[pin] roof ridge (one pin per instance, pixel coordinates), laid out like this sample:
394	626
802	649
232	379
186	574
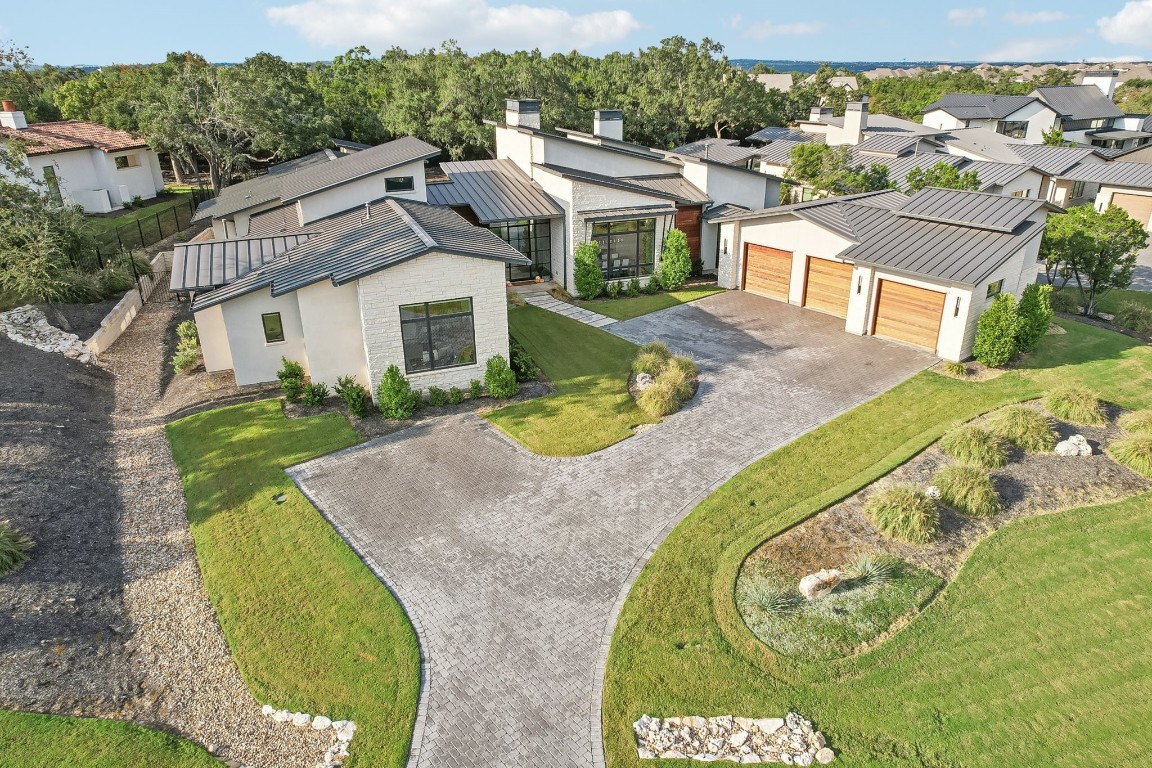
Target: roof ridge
412	224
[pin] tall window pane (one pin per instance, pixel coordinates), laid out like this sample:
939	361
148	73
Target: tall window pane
438	334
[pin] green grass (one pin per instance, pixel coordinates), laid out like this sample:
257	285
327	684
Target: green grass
626	309
104	227
310	627
49	741
1114	300
1034	656
975	445
589	368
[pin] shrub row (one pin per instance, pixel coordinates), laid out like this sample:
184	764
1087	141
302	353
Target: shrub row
1007	328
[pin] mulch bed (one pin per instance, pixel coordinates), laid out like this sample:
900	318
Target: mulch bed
80	319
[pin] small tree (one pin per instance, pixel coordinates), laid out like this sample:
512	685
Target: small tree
499	378
942	175
394	395
1035	315
997	332
1095	250
587	274
675	260
291	376
1054	136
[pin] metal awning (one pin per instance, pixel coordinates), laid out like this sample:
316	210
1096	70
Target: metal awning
626	214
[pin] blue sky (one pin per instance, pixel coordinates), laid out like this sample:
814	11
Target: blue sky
127	31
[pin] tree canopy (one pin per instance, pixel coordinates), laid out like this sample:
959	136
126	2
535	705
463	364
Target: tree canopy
831	170
1096	251
942	174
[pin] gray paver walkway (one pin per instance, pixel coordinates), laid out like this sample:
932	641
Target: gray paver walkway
513	566
586	316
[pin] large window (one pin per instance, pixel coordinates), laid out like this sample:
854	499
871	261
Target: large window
273	327
627	248
1016	129
399	184
533	238
437	334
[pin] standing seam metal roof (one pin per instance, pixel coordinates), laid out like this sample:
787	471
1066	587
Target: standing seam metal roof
972	209
1079	102
214	263
665	186
1051	160
1116	173
496	190
976	106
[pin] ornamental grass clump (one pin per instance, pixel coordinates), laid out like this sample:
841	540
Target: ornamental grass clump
904	513
1136	421
873	568
1135	317
1077	405
768	597
650	363
1134	452
678	379
1024	427
660	399
14	548
684	364
976	446
968	490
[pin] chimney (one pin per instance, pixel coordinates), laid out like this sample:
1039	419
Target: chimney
524	113
855	121
1104	79
10	117
608	124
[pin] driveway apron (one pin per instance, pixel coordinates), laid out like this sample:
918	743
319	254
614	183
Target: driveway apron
513	567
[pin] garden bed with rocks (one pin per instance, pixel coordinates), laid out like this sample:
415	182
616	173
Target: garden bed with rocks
1028	484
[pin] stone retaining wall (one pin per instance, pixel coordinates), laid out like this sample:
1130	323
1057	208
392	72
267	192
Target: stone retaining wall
122	315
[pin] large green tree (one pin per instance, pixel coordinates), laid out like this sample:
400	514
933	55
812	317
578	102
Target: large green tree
941	174
832	171
1096	251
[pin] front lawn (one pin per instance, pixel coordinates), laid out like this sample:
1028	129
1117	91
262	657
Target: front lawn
589	368
311	628
1034	656
104	227
626	309
48	741
1114	300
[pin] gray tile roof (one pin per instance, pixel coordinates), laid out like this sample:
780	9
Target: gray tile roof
726	151
667	186
396	231
214	263
1115	173
495	190
1078	102
980	106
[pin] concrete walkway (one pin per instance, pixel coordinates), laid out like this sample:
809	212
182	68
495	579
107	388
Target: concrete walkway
513	567
546	301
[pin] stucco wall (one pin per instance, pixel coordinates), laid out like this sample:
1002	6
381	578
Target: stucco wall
213	339
434	277
1104	197
802	238
254	360
938	118
1030	183
330	318
596	159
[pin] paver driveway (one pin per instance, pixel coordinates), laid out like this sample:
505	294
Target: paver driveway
513	567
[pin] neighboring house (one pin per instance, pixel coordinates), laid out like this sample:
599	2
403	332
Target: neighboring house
86	164
623	196
775	82
918	269
395	281
1127	133
1126	185
1085	110
857	124
1018	117
847	82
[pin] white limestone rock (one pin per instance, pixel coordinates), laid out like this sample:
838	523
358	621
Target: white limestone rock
301	719
1077	445
321	723
825	756
816	585
643	381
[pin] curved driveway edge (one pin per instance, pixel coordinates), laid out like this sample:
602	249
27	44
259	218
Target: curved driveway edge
513	567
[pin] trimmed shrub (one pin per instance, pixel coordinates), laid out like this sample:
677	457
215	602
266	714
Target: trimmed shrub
315	393
649	362
1026	428
678	379
612	291
974	445
14	548
188	330
968	490
660	399
1134	452
586	273
633	288
499	379
997	332
768	597
1035	315
956	369
904	513
652	287
354	394
1064	300
455	395
873	568
1134	317
475	389
684	364
675	260
1076	404
437	396
522	363
291	376
187	355
1136	421
395	397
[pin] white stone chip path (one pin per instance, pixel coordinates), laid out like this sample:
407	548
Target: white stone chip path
586	316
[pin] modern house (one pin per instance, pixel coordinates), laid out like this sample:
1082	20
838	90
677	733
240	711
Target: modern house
1018	117
1126	185
1086	111
917	270
86	164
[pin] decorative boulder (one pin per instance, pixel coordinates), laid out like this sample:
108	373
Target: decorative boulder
825	756
933	492
644	380
1076	445
818	584
320	722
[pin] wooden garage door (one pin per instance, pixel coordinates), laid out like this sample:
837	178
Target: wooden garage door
1139	207
908	314
767	271
827	286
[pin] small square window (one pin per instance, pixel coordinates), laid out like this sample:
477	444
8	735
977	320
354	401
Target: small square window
399	184
995	288
127	161
273	327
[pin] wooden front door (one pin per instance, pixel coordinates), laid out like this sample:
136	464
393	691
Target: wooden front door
767	271
908	314
827	286
688	222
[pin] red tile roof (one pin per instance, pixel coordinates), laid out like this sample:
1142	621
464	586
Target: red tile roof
46	138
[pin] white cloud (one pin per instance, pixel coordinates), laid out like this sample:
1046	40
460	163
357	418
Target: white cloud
1034	17
761	30
1132	25
1032	49
963	16
736	21
474	24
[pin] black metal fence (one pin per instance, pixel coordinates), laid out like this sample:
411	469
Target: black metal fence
145	230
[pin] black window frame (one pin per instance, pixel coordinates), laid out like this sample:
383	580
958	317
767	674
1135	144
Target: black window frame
391	184
539	239
645	264
1077	190
264	325
427	321
1014	129
995	288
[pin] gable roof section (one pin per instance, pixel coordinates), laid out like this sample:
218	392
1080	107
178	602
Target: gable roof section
980	106
776	133
495	190
726	151
665	186
68	135
1051	160
1078	102
779	82
397	231
898	167
1115	173
885	198
213	263
993	174
979	210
